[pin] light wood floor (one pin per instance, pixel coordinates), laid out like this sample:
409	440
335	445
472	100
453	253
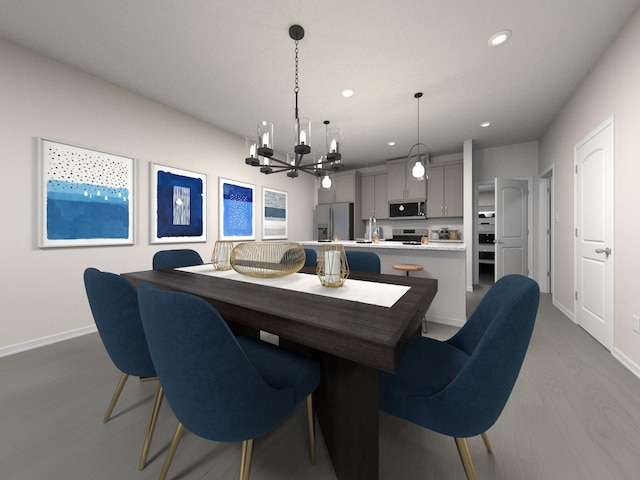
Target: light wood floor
574	414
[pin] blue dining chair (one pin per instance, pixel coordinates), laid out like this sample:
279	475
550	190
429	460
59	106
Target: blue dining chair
114	305
176	258
220	387
363	261
311	259
459	387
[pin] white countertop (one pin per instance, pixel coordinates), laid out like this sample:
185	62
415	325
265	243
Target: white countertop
450	246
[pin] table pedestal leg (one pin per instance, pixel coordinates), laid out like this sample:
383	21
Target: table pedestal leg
346	406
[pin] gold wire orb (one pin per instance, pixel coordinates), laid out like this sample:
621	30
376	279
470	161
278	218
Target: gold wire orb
267	259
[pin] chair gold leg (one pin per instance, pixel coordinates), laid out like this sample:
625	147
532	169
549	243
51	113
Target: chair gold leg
465	456
172	451
487	444
157	403
245	459
116	395
312	430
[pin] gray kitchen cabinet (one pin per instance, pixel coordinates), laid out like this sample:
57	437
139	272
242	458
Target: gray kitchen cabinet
345	187
445	196
402	185
374	196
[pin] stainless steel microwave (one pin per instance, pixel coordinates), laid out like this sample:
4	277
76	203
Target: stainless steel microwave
407	210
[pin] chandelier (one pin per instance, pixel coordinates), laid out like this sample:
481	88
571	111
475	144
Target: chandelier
418	170
260	146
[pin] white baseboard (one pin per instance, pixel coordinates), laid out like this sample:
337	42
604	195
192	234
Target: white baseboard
454	322
632	366
41	342
560	307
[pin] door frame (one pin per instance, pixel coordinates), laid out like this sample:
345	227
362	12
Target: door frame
476	200
546	207
530	200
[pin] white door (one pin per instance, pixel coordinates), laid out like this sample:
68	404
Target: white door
512	227
594	233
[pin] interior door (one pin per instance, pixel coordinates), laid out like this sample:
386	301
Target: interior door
512	227
594	234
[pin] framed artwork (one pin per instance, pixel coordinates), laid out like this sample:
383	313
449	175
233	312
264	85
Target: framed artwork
85	196
237	210
274	214
178	205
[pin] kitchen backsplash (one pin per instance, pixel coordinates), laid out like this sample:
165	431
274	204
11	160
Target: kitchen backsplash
389	225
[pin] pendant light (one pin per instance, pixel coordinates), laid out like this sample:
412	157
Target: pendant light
418	170
260	146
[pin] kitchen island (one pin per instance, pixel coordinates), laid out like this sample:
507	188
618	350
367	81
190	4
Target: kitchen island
444	261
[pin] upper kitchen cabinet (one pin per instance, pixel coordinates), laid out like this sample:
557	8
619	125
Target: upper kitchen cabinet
402	185
445	191
345	187
374	196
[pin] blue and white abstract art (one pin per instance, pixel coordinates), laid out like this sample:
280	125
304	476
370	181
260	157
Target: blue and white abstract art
178	205
86	197
237	210
274	218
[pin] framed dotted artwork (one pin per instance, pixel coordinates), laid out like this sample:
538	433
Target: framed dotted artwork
86	197
237	214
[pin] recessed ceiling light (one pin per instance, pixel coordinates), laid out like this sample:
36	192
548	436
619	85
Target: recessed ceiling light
347	92
391	144
499	38
485	124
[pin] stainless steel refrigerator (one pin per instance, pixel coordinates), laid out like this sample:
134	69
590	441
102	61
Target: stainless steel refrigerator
335	219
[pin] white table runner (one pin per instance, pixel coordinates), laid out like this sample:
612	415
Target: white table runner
380	294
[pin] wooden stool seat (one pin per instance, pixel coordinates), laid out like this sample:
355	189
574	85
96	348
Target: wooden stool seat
407	267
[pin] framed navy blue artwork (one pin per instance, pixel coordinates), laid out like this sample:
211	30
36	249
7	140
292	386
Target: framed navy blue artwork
85	196
237	210
178	205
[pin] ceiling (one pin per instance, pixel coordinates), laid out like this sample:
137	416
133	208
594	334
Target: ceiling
231	63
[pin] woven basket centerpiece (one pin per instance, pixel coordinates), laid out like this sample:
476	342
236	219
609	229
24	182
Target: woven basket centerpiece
267	259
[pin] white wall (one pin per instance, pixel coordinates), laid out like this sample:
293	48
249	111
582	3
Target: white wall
611	88
509	161
42	294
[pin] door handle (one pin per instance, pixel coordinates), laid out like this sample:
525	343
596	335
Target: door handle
498	241
606	251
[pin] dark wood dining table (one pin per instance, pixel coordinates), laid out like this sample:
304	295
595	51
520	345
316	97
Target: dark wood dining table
352	341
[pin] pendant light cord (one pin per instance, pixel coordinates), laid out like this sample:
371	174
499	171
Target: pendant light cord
296	89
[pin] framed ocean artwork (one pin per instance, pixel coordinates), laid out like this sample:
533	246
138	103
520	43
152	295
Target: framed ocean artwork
274	214
237	215
86	197
178	205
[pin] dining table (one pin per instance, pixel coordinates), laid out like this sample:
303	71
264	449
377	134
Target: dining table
353	337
